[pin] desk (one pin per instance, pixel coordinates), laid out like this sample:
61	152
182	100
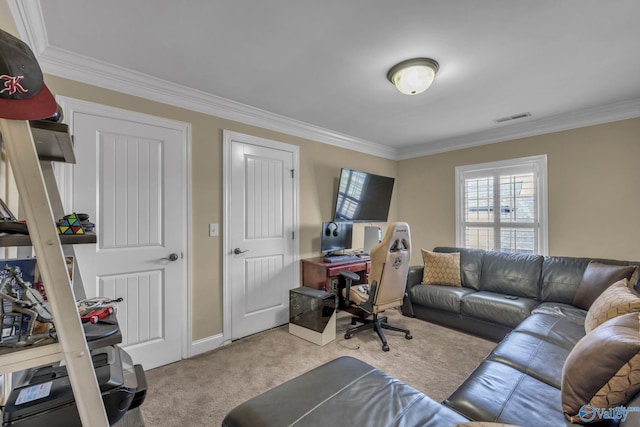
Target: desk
322	275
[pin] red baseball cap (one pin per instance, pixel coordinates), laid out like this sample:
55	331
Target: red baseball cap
23	94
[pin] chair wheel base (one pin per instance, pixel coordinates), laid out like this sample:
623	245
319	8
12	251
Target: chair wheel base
378	324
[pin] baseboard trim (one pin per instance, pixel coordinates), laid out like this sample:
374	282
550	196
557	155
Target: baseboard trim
206	344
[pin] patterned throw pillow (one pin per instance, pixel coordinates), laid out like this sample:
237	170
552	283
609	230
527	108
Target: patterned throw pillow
603	369
616	300
441	268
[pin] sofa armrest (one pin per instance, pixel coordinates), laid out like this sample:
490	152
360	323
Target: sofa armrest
414	277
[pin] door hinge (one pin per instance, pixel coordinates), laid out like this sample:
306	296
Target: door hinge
292	173
293	235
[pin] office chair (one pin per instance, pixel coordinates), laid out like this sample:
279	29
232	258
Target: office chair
388	277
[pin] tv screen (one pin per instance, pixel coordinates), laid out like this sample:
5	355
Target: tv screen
363	196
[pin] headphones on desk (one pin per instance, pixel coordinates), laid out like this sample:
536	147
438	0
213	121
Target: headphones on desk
329	232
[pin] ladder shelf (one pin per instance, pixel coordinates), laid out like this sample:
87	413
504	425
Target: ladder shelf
72	345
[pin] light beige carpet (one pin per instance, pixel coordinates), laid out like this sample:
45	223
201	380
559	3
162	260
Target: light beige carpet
200	391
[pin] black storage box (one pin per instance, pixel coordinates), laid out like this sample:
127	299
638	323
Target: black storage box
312	315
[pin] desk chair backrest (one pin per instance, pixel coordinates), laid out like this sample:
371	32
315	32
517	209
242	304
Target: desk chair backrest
390	266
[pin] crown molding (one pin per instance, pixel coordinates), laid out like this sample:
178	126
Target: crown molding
62	63
27	15
577	119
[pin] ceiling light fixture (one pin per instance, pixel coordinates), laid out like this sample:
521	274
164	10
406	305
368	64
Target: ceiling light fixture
413	76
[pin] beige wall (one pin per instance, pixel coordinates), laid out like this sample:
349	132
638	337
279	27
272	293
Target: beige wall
593	179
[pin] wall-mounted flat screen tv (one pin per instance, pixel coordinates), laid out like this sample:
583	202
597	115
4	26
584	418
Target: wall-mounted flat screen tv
363	196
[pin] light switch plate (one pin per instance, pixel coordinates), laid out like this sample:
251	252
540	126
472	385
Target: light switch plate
213	230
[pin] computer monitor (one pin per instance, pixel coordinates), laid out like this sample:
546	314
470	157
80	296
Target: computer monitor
336	236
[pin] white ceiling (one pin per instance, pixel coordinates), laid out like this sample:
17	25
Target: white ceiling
318	67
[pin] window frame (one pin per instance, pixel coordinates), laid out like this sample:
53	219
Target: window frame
536	163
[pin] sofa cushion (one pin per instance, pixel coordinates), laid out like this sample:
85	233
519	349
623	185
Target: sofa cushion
425	412
445	298
505	310
441	268
603	369
532	355
559	330
568	312
561	277
598	277
616	300
501	393
470	264
511	274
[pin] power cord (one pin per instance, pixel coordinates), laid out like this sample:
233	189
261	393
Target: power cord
340	343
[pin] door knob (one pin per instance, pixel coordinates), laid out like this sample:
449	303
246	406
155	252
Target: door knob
237	251
172	257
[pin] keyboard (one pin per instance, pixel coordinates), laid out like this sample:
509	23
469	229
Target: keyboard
340	258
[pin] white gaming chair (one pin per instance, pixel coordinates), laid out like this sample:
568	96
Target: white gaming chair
389	268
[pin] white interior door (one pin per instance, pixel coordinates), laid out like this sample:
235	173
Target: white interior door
261	243
130	178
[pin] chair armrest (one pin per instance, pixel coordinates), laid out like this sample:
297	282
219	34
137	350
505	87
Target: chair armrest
349	277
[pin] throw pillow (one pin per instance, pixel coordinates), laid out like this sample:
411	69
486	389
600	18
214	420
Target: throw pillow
616	300
603	369
441	268
598	277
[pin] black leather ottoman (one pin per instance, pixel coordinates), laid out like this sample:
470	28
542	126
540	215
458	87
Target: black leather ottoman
343	392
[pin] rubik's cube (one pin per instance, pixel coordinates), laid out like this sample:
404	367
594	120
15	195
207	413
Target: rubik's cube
70	224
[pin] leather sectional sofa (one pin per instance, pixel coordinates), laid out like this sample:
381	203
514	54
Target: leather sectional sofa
545	369
498	290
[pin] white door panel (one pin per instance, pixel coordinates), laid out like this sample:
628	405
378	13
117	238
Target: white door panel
262	225
140	313
130	210
130	179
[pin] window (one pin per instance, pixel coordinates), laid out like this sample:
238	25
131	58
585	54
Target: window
502	206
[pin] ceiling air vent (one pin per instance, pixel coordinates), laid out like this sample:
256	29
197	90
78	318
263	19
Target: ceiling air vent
514	117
